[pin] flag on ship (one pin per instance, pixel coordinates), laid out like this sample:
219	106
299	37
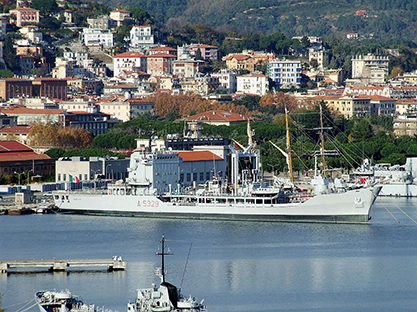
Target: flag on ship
74	179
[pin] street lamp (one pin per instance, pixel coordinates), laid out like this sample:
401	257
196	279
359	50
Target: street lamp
273	168
107	172
95	177
19	174
31	170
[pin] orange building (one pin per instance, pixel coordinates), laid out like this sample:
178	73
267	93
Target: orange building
15	87
50	87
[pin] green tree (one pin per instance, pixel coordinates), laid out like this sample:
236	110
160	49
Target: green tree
44	5
412	149
141	16
198	56
362	130
55	152
6	73
9	51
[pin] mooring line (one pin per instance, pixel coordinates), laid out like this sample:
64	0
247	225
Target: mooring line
388	211
403	211
26	302
28	308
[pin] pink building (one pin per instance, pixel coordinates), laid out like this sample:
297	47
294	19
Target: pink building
160	64
25	16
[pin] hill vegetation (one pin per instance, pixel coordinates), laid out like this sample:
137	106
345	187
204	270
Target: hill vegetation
386	19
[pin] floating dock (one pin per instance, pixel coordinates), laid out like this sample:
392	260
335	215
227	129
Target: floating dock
114	264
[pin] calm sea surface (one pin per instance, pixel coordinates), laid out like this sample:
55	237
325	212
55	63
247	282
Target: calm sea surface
234	266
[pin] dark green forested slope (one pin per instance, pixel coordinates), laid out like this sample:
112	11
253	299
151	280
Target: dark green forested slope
388	19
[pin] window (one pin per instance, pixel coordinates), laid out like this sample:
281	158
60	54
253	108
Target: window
201	176
188	176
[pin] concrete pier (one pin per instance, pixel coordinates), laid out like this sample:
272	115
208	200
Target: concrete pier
116	263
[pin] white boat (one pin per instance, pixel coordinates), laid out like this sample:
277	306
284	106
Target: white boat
242	197
63	301
396	180
166	297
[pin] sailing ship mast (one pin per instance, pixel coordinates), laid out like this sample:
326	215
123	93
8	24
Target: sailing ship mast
323	158
289	147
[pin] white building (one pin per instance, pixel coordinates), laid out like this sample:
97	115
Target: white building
186	68
129	61
77	57
32	33
286	73
125	109
97	37
370	68
141	36
253	83
320	56
227	80
81	169
118	16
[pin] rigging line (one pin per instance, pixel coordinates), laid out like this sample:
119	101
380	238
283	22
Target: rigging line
12	305
28	308
346	154
389	211
343	153
186	263
402	211
23	308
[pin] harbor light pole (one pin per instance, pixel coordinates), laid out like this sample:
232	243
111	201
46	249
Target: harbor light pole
273	168
19	174
95	177
107	171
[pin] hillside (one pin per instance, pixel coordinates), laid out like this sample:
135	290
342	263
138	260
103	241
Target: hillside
386	19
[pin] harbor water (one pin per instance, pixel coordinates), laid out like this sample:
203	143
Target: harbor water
234	266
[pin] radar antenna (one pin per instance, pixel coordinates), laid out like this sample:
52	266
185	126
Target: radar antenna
163	254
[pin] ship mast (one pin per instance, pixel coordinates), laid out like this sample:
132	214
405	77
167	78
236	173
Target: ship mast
323	158
289	147
162	254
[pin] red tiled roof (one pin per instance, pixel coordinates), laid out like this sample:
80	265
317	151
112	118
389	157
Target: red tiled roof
24	9
198	156
129	54
119	10
13	147
161	55
205	46
29	111
120	86
253	75
15	129
163	49
379	98
23	157
239	57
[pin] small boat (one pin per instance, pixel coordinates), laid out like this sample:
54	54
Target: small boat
62	301
166	297
20	211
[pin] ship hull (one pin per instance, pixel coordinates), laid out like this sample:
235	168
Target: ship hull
348	207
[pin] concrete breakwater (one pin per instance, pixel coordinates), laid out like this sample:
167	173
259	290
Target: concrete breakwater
113	264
